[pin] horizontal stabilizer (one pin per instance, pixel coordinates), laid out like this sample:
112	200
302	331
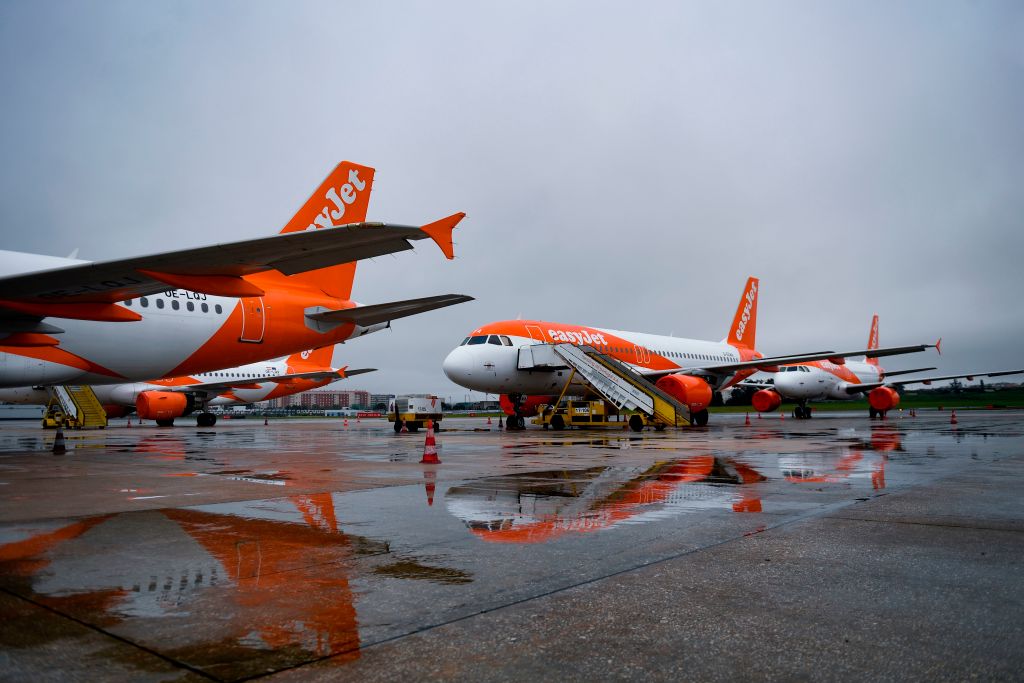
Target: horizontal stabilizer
365	316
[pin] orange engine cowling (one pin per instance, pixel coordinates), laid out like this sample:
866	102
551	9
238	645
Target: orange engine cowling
687	389
883	398
161	405
766	400
115	410
527	408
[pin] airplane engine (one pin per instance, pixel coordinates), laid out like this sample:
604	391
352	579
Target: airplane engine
883	399
766	400
114	410
528	408
691	391
161	405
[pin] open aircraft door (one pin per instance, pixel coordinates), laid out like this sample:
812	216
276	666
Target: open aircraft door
254	320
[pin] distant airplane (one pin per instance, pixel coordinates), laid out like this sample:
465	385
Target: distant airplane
850	379
163	400
687	369
193	311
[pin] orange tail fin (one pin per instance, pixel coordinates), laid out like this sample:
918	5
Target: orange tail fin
343	197
313	359
873	338
744	324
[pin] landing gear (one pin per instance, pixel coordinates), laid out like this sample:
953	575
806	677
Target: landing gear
169	422
515	421
872	413
802	412
636	423
700	418
557	423
206	420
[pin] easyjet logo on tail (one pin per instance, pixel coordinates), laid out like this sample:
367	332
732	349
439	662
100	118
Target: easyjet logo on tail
339	198
749	300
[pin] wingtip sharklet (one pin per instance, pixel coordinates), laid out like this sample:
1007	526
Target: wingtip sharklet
441	232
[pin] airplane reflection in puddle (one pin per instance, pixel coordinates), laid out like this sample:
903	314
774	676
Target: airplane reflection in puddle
265	582
541	506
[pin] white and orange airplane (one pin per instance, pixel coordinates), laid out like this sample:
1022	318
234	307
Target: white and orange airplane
163	400
194	311
688	369
840	379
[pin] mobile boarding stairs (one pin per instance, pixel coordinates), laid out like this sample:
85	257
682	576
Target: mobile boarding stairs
613	380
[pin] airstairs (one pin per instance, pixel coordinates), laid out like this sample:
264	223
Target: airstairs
615	381
74	406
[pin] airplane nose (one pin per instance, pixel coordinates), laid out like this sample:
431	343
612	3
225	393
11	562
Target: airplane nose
456	366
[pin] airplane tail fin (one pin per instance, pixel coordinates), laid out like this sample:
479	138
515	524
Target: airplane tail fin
744	324
313	359
873	338
343	197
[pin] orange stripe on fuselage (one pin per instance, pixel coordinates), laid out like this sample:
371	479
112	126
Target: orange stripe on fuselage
52	354
284	314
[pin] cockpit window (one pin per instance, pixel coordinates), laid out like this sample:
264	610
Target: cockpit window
493	339
804	368
506	341
464	341
479	339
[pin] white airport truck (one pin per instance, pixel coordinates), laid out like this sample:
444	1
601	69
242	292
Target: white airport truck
414	410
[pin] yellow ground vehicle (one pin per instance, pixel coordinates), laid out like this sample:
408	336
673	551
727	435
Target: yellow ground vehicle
590	413
414	410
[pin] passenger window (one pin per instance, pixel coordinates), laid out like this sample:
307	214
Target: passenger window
493	339
479	339
206	309
145	302
506	341
128	303
159	303
190	306
174	304
217	308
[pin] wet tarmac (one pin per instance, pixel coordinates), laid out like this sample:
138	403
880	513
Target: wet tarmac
833	548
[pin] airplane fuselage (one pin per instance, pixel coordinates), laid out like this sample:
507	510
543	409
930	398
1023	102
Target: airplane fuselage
180	333
488	360
824	380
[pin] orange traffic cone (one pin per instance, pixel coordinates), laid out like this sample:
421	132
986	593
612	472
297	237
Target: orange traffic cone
759	416
345	423
952	418
430	447
747	421
488	419
429	477
404	430
782	414
58	442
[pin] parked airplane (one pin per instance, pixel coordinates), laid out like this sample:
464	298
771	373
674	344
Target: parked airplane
488	359
164	400
845	380
193	311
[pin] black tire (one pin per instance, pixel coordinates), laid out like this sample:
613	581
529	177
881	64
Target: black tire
872	413
165	423
701	418
558	423
636	423
398	426
206	420
520	422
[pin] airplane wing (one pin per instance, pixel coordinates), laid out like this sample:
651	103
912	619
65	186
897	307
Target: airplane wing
771	363
382	313
90	290
229	385
861	388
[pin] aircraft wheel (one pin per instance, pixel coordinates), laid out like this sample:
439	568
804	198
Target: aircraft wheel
807	412
700	418
558	423
872	413
206	420
165	423
636	423
520	422
398	426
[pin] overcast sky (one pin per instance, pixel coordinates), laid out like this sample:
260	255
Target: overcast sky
622	165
